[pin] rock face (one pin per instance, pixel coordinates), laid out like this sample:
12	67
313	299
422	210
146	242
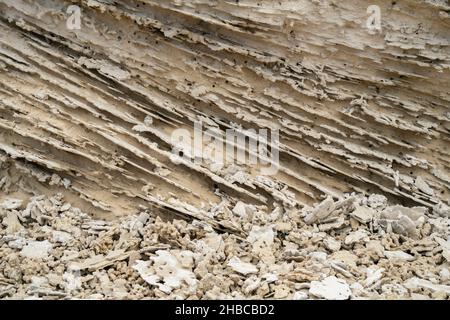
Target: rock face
93	93
89	112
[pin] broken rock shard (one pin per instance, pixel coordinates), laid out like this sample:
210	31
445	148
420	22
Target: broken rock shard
224	149
330	288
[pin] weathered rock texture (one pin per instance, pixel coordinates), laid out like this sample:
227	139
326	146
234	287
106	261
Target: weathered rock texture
360	249
357	110
86	118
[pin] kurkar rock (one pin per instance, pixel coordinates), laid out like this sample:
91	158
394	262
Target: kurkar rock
113	116
89	111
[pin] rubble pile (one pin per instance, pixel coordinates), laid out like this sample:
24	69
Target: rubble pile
356	247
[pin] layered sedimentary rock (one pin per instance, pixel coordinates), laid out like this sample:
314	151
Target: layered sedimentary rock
89	112
94	197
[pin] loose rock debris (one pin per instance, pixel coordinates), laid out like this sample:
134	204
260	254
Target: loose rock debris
52	250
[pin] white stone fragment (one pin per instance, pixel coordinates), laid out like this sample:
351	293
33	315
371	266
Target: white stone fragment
442	210
394	289
363	214
321	211
403	220
444	274
11	204
167	273
373	275
72	280
416	283
239	209
357	289
445	246
61	237
330	288
356	237
17	244
242	267
12	223
318	255
261	234
36	249
398	255
269	277
171	271
300	295
377	201
332	244
251	284
262	239
66	206
143	268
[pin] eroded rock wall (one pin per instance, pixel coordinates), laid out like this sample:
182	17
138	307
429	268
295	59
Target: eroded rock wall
90	112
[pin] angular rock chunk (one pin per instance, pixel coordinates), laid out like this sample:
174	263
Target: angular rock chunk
242	267
323	210
36	249
330	288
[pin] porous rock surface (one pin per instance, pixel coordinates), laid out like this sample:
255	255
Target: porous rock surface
93	205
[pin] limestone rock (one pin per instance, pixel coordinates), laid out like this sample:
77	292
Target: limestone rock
398	256
356	237
242	267
36	249
330	288
442	210
416	283
332	244
11	204
323	210
363	214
